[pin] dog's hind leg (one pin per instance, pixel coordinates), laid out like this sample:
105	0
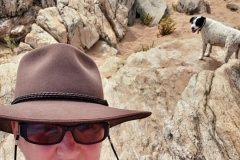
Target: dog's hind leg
229	50
227	56
203	51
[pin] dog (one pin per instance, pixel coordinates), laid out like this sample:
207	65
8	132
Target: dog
215	33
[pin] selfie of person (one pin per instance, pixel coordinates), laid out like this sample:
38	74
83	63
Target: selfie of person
59	111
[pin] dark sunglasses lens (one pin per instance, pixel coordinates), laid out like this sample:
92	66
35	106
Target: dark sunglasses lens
43	133
89	133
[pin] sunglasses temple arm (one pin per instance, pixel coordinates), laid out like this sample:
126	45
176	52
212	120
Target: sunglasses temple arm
16	143
109	138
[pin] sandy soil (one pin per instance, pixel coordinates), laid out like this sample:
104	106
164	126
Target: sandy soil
139	35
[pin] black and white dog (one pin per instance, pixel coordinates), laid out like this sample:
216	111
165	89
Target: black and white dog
216	34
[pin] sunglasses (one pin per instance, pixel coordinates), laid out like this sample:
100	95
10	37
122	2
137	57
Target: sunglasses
49	134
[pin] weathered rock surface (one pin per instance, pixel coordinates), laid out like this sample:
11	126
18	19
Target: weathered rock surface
232	6
197	122
206	116
79	23
154	8
50	20
39	37
191	7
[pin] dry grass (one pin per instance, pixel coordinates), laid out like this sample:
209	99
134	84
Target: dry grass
166	26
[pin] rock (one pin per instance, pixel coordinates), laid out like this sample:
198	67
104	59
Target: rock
4	50
72	22
39	37
116	14
13	8
111	66
143	84
232	6
17	27
206	116
190	118
84	22
48	3
7	147
191	7
23	48
18	30
154	9
50	20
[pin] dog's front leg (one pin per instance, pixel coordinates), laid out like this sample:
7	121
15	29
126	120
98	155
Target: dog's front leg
209	51
203	51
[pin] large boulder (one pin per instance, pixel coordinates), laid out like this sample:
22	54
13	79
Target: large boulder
205	121
50	20
191	7
39	37
196	119
154	9
17	27
80	23
14	8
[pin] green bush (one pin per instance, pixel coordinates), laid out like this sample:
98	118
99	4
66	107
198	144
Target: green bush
166	26
10	42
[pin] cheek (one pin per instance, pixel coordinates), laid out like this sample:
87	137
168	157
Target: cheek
92	151
36	152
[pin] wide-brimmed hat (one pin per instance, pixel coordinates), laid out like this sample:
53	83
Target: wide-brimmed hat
58	83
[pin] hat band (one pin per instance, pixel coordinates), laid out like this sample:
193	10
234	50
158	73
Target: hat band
60	96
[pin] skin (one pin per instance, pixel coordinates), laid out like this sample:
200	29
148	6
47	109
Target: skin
67	149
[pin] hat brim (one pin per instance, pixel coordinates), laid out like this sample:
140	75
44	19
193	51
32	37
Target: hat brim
55	111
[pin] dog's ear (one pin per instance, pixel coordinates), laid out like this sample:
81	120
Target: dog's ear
192	19
203	18
201	21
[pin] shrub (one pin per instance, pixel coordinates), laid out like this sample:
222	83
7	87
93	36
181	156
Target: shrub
146	48
166	26
146	19
174	7
10	42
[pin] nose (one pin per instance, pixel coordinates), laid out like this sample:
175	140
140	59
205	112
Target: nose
68	146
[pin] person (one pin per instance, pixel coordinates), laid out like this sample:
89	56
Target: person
59	111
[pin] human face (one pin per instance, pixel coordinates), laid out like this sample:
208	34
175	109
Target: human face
67	149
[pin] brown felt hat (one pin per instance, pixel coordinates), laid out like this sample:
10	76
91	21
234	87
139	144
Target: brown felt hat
58	83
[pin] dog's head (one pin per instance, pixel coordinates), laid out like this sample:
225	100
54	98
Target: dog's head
197	23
